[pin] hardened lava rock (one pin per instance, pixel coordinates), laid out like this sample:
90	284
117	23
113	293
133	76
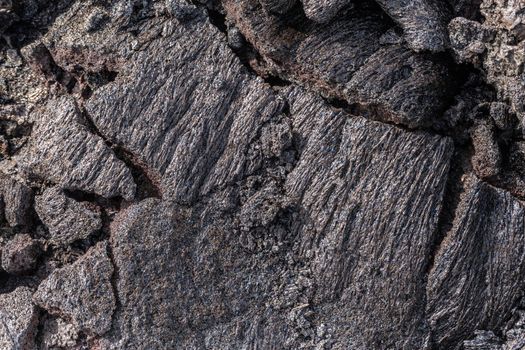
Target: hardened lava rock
262	174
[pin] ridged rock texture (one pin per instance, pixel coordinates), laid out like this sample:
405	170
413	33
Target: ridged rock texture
262	174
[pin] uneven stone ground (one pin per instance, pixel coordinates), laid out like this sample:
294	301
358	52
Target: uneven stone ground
262	174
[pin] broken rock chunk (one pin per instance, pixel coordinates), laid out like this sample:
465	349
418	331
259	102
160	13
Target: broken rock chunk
58	333
19	319
371	195
323	10
81	292
20	255
486	160
17	198
65	152
479	271
424	22
66	219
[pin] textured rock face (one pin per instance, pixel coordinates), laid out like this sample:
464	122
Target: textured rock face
344	163
19	320
20	255
16	200
66	219
261	174
496	46
491	223
66	153
81	292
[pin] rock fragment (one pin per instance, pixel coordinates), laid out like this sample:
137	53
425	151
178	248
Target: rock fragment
358	183
65	152
66	219
343	59
17	199
57	333
496	47
423	22
191	133
19	319
487	158
323	10
478	274
20	255
81	292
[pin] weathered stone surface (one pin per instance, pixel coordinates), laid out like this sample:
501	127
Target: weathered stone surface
57	333
277	6
323	10
81	292
496	47
16	198
66	219
401	87
65	152
359	224
344	60
478	273
221	174
18	320
423	22
207	124
20	255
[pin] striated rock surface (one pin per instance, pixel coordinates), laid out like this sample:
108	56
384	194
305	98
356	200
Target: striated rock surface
478	292
345	60
261	174
15	200
345	162
66	153
19	320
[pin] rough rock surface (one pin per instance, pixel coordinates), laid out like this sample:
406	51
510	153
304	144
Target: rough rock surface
66	153
491	223
66	219
19	320
81	292
20	255
262	174
15	201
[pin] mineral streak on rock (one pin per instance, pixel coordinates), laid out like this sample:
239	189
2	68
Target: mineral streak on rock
66	219
18	320
81	292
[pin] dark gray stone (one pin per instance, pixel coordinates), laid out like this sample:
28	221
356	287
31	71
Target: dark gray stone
20	255
66	219
65	152
82	292
478	272
19	320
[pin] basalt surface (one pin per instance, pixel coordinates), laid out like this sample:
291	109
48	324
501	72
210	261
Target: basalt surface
262	174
